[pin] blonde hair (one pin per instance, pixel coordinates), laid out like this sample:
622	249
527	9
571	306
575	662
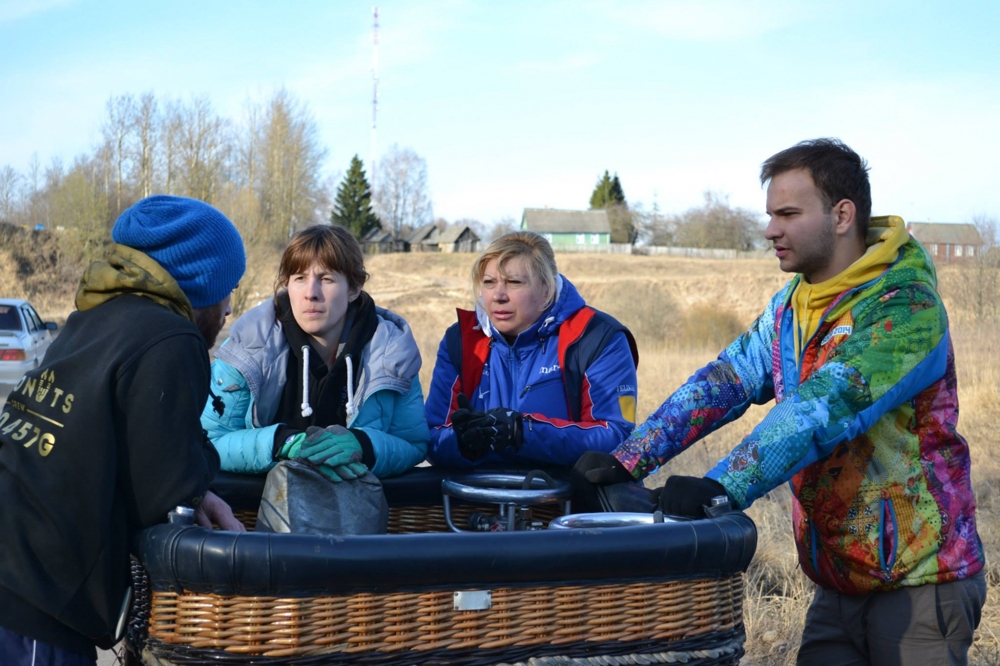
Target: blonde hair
539	260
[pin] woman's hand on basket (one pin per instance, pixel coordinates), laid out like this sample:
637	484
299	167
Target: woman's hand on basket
496	430
472	447
478	432
213	509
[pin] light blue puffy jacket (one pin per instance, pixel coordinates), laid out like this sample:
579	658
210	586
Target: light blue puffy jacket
248	376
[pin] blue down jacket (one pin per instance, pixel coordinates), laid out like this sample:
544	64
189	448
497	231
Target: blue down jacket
248	375
525	376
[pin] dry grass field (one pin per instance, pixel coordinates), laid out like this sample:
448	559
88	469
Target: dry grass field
683	311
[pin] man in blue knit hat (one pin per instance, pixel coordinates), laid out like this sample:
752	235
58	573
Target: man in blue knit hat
105	438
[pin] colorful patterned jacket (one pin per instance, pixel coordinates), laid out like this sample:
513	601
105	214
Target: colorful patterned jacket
864	428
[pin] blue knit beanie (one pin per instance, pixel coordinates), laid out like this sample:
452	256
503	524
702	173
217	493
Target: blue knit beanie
194	242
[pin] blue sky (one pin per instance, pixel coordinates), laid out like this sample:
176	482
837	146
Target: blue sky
524	104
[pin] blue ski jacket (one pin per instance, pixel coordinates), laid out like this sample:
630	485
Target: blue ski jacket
525	375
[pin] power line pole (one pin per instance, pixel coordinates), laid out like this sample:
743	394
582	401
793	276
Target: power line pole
374	146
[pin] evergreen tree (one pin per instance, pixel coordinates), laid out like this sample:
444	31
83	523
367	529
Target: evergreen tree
609	195
602	192
353	207
616	192
607	192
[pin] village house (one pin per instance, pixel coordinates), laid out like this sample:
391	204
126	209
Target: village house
380	241
424	239
569	229
458	238
948	243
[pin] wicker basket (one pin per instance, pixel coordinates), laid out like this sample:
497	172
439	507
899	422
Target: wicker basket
586	597
681	617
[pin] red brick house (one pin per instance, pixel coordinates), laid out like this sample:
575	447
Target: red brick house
948	243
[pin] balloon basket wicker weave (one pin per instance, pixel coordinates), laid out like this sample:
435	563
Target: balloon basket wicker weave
669	593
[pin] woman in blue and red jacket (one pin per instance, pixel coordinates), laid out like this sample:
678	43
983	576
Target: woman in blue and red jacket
532	375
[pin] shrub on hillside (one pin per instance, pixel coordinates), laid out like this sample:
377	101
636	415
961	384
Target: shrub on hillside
33	266
645	306
706	326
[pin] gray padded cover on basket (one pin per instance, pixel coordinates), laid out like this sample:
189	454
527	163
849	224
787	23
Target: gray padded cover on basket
297	498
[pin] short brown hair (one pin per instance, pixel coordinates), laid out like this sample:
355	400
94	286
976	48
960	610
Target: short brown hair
837	171
331	246
541	261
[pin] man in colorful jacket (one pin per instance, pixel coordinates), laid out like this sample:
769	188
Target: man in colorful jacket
856	353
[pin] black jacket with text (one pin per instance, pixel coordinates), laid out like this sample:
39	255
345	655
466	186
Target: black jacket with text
102	440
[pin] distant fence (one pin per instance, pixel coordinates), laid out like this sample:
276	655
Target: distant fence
610	248
704	252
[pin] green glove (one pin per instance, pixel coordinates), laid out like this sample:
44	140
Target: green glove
348	472
333	447
334	451
290	449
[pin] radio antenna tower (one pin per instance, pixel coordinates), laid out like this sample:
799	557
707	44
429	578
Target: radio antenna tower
374	146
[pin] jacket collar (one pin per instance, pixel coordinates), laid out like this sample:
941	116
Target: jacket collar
129	271
567	301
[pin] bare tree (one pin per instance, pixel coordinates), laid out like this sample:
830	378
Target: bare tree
79	204
717	225
201	150
402	200
981	292
9	178
624	228
31	196
145	127
654	228
290	191
504	225
34	171
117	130
248	151
243	203
170	140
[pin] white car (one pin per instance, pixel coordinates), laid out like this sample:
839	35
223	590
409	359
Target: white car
24	339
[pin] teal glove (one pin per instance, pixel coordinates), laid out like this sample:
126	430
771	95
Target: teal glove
348	472
333	446
335	452
290	449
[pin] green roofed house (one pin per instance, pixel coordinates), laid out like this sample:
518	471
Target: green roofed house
948	243
569	229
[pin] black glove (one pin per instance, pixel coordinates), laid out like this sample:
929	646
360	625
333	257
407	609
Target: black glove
460	417
592	470
471	445
497	429
687	496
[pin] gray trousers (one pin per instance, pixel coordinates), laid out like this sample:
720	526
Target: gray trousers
930	624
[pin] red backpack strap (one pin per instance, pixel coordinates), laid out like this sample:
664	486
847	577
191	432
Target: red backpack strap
473	350
582	338
570	331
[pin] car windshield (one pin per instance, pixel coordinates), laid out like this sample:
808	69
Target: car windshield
9	321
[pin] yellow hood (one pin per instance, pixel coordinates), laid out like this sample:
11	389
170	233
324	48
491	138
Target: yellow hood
886	235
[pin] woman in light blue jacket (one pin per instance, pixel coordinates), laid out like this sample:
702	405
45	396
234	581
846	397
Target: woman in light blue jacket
320	357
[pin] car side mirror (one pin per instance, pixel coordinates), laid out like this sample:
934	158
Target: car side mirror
51	326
